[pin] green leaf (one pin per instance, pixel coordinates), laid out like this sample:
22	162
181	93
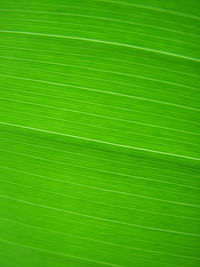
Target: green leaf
99	133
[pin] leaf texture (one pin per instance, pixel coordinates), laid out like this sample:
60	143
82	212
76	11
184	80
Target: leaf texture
99	119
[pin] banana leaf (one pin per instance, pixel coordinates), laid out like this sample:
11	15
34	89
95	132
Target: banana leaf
99	133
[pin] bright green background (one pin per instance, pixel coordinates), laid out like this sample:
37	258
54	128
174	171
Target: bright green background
99	133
